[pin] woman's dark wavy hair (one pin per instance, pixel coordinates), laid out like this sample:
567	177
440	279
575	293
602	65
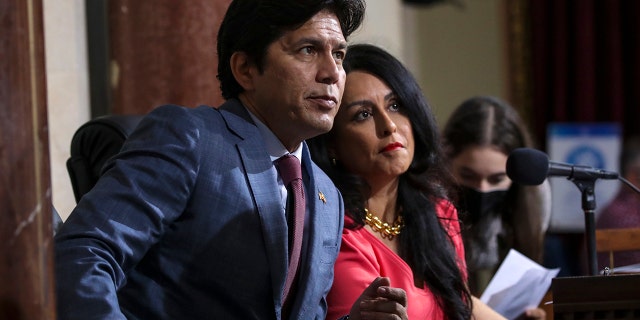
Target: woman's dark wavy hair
424	244
485	121
251	26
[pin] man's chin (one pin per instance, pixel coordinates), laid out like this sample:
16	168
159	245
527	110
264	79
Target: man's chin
316	132
324	126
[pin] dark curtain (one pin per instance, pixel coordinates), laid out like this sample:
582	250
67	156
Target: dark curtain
585	63
574	61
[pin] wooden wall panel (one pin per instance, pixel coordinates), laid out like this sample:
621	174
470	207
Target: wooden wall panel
163	51
26	268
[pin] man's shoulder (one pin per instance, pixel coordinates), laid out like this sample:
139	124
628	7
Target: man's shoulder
203	116
174	113
201	109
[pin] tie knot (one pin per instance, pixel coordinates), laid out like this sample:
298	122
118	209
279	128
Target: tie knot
289	168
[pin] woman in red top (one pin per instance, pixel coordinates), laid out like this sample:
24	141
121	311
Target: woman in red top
384	155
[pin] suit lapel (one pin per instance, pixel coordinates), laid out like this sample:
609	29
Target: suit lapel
264	188
266	192
313	238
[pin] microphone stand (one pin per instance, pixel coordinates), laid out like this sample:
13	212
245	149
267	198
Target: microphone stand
587	187
586	183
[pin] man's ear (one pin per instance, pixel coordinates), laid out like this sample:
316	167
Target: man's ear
242	69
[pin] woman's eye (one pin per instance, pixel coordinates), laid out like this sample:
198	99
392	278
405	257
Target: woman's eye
362	115
467	177
394	107
496	180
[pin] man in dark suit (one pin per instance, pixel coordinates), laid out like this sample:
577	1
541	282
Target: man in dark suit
189	220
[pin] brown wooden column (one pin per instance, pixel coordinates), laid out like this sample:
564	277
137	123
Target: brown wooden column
26	265
163	51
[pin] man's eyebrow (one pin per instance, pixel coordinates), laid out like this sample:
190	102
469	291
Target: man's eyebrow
320	43
342	45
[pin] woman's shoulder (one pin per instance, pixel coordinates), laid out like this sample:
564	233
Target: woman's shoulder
448	215
446	210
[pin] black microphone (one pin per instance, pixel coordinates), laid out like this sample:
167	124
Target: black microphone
530	167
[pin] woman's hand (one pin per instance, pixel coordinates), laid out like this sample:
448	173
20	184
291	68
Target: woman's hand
533	314
481	311
380	301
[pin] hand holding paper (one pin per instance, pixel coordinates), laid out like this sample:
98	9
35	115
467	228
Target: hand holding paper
519	284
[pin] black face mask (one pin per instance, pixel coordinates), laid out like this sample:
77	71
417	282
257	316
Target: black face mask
478	204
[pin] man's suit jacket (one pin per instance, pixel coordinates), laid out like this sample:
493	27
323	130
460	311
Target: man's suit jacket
187	222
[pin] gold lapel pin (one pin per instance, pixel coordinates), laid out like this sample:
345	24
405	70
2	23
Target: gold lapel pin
321	197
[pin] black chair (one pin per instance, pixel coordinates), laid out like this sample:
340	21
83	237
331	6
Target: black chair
93	144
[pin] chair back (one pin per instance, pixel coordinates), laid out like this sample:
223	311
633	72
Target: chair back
615	240
92	145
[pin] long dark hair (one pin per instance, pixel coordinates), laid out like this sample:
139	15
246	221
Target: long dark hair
487	121
424	244
251	26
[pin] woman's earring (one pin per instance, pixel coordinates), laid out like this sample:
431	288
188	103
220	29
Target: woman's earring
334	162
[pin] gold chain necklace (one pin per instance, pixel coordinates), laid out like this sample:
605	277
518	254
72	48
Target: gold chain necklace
387	231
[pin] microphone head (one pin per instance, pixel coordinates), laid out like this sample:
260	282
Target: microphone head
527	166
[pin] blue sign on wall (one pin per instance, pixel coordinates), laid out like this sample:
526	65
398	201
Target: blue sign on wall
596	145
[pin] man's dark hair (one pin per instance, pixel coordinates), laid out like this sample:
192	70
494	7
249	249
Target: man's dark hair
251	26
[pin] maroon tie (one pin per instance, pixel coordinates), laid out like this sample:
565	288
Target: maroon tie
291	174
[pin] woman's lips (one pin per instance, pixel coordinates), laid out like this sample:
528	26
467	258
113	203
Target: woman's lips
392	146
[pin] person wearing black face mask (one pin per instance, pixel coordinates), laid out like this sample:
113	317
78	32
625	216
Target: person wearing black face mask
482	212
496	213
480	172
478	204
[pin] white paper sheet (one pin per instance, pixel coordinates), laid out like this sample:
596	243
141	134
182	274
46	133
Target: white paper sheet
519	284
632	268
